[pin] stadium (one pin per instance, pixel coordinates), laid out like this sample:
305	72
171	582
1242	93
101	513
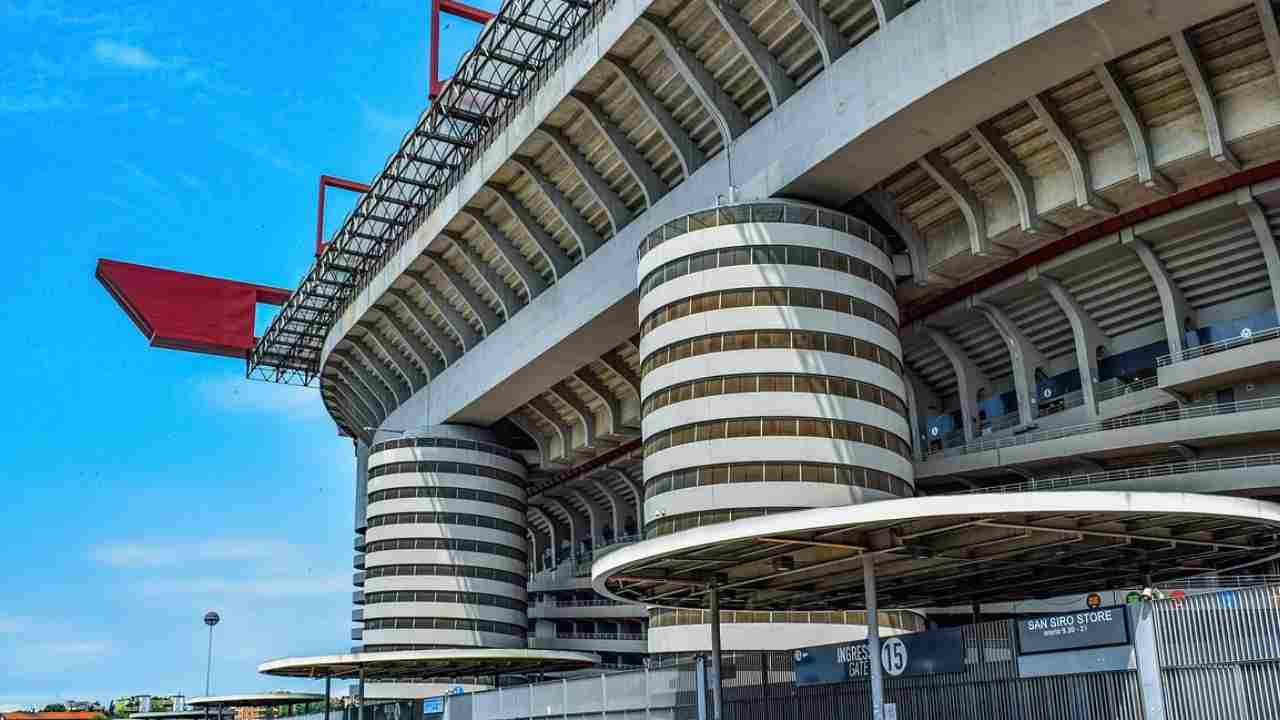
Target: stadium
740	327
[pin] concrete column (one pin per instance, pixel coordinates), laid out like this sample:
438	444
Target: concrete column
1024	356
551	531
616	504
873	637
594	515
1145	656
1266	240
1172	303
968	378
578	523
717	688
1086	334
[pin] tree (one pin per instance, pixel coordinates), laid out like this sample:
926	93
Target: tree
55	707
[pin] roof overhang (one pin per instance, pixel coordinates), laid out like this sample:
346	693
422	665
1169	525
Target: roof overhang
269	699
415	664
938	551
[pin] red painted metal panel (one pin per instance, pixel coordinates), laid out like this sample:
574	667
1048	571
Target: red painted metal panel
182	311
328	181
456	9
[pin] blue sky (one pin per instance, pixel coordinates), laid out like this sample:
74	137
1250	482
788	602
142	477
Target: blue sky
144	487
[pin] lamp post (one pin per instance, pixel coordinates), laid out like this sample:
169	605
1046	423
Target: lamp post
211	618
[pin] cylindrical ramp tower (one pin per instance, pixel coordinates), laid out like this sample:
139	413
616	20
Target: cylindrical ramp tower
771	366
445	549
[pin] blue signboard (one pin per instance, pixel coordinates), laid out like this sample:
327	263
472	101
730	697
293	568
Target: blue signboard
924	653
433	706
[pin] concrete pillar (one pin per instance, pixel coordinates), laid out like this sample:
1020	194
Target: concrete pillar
968	379
594	514
1266	240
1086	334
1173	305
1022	354
873	637
1146	657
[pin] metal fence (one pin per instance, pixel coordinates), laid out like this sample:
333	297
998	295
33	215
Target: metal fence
1142	472
1152	417
1216	347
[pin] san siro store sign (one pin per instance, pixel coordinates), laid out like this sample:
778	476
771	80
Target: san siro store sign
1056	632
923	653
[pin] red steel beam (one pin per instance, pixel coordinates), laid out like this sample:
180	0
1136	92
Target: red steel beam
1114	224
456	9
329	181
182	311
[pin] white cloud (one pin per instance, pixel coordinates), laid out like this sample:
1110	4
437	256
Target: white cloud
160	553
274	587
121	55
384	122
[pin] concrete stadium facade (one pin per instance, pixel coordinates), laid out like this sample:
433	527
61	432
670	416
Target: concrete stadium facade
971	247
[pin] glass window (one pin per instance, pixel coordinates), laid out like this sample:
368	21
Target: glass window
734	256
803	256
714	475
705	303
767	297
712	386
773	339
740	341
804	297
770	255
746	472
704	345
735	299
837	302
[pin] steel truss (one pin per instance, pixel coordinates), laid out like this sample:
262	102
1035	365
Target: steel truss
516	52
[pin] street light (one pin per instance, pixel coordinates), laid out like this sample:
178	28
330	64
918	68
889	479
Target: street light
211	618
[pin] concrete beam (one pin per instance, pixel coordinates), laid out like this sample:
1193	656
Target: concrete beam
595	514
583	234
579	526
969	379
637	494
1127	108
542	441
689	155
1076	156
1266	240
618	213
617	504
650	184
887	208
534	283
489	320
547	245
830	41
970	206
412	375
355	406
1270	32
552	530
444	344
358	391
730	119
619	367
400	391
1024	191
506	297
1194	70
915	417
1173	305
543	409
887	10
421	353
1085	333
613	408
775	79
588	419
1023	355
378	392
466	334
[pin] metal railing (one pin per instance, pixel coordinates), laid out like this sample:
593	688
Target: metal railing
585	603
1136	420
896	619
1069	482
1219	346
601	636
1115	387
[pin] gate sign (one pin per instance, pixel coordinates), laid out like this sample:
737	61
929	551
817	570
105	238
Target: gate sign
433	706
923	653
1055	632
